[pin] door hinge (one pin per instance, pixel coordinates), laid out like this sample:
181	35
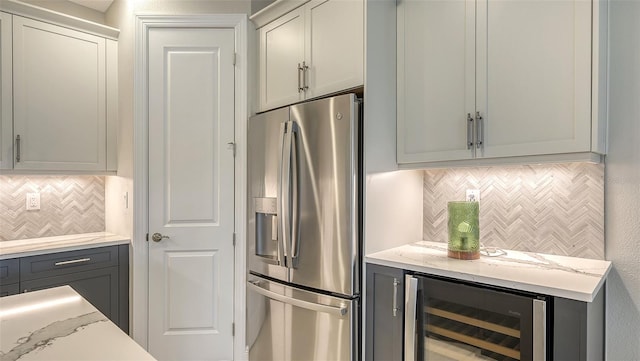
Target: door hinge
232	146
235	56
147	237
233	329
234	239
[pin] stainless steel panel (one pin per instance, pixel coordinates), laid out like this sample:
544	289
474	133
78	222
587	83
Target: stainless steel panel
411	298
325	249
286	323
539	330
264	154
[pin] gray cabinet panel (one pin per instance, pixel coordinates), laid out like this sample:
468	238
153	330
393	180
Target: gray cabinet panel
99	287
10	289
384	328
9	271
578	333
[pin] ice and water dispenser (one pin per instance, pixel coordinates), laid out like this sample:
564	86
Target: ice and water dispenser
266	228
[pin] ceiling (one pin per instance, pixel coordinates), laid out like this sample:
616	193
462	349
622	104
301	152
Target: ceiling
100	5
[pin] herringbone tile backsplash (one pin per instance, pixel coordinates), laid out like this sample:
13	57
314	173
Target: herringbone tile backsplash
552	208
68	205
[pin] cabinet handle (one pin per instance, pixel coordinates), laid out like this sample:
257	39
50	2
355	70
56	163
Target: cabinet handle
300	70
479	130
18	148
64	263
395	297
469	131
305	68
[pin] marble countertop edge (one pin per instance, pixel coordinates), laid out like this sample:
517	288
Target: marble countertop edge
573	278
37	246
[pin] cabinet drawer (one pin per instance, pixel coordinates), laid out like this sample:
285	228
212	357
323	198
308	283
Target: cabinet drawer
57	264
8	290
9	271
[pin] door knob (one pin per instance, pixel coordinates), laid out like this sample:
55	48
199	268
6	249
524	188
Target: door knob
157	237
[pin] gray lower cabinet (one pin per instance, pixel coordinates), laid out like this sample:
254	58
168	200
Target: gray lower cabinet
578	328
385	316
9	277
100	275
575	329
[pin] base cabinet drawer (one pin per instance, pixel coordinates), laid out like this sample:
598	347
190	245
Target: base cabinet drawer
61	263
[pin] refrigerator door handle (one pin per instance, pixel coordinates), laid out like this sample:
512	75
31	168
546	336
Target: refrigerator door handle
337	311
411	295
293	186
282	205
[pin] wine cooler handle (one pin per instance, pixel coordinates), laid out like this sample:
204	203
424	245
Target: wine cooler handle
539	329
410	305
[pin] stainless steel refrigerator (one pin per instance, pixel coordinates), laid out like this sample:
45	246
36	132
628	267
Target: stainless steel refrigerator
304	230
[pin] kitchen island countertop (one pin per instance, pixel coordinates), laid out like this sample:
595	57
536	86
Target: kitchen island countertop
58	324
569	277
37	246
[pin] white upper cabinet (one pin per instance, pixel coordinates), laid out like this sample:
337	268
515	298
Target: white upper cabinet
310	51
6	93
59	100
496	78
281	55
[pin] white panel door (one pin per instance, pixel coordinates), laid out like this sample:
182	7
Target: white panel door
534	76
191	193
335	50
436	79
59	97
281	52
6	93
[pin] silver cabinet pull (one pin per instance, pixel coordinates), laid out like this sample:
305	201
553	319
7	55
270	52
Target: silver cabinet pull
18	148
300	70
395	297
479	130
157	237
410	305
305	69
64	263
469	131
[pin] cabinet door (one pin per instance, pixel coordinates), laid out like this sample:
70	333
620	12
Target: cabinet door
385	304
436	80
534	77
99	287
59	97
335	47
281	52
6	93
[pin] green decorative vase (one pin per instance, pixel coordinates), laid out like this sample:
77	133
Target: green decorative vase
464	230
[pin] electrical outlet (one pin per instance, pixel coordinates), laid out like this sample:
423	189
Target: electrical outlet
473	195
125	200
33	201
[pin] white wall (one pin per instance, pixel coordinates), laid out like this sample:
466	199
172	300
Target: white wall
69	8
622	183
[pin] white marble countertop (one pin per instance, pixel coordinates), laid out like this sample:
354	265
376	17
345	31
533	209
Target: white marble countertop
569	277
58	324
36	246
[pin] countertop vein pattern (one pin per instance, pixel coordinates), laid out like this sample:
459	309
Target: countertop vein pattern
569	277
58	324
36	246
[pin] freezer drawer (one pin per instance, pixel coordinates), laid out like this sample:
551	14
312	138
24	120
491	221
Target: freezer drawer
287	323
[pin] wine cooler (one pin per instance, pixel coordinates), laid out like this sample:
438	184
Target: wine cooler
449	320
